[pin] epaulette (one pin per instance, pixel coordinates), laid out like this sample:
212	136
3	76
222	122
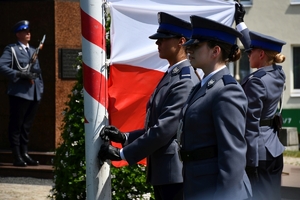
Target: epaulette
12	45
185	73
228	79
259	74
279	67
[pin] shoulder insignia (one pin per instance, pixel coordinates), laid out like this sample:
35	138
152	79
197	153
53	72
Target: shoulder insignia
210	83
185	73
259	74
228	79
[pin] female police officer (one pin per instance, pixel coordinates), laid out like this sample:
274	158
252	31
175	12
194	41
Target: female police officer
157	140
213	147
263	88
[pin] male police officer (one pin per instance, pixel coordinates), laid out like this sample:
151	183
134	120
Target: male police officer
25	91
157	140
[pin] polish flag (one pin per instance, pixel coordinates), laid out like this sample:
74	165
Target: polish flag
135	66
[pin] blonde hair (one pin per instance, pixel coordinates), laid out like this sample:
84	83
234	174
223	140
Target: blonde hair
274	57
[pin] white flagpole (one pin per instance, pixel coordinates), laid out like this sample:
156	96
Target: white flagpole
98	182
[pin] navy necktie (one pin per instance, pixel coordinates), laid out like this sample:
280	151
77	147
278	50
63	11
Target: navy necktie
27	49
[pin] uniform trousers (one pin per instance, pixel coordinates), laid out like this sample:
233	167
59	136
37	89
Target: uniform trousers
22	113
168	192
268	185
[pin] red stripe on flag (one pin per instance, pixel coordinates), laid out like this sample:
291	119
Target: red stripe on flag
129	89
95	85
92	30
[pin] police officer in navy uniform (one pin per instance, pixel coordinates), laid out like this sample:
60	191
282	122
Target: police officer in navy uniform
212	126
157	140
25	89
264	89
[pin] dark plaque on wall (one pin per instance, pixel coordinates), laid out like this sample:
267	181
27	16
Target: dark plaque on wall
68	63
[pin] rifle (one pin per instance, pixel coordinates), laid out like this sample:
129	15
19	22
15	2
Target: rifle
35	54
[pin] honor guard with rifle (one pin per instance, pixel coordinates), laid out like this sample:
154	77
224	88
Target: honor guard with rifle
20	65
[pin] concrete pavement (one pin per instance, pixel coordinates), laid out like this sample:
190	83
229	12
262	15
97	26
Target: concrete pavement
290	182
38	189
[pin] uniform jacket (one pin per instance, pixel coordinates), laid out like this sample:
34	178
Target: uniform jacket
157	143
21	87
215	115
263	89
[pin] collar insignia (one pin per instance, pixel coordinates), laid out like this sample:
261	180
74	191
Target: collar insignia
175	70
210	83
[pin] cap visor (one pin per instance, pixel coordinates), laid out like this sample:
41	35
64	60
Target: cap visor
248	50
193	41
160	35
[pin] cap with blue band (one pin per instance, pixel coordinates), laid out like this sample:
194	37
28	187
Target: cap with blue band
207	29
171	26
222	36
176	30
266	42
21	25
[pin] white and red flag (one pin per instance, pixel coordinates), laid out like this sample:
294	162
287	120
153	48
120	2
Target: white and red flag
135	67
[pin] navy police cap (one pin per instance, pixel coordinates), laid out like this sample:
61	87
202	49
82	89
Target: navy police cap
21	25
266	42
206	29
170	26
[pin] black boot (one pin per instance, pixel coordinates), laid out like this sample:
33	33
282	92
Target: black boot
26	157
18	160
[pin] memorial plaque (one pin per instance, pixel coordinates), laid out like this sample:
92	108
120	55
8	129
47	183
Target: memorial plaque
68	63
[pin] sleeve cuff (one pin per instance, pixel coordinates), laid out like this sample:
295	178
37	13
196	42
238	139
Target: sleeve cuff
241	26
122	154
126	141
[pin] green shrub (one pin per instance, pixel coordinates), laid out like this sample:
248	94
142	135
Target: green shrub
130	183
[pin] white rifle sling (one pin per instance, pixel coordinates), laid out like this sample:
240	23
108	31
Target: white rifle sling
22	69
